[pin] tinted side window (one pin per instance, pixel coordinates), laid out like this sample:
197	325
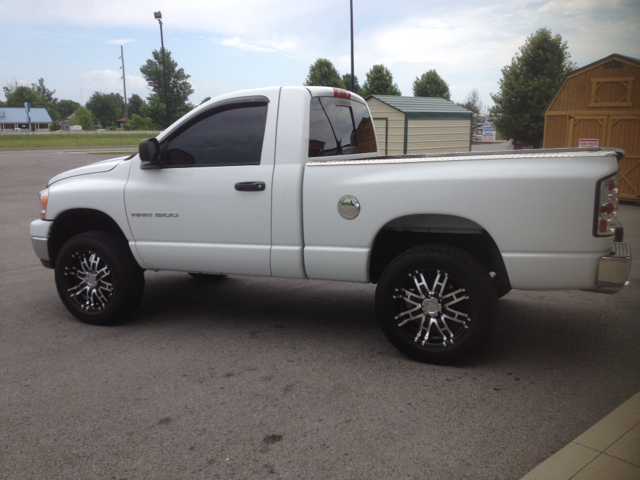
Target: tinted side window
338	126
229	136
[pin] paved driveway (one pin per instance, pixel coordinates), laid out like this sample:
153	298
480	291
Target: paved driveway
270	378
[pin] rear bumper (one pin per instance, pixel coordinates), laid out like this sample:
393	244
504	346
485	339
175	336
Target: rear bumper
613	270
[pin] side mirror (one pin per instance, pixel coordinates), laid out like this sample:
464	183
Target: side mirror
149	150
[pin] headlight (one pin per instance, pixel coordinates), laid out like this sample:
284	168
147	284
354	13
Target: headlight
44	196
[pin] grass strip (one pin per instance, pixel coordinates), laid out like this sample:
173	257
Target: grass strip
71	140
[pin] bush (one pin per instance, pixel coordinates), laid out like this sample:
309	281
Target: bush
54	126
139	123
84	118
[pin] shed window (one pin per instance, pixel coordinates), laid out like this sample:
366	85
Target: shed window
613	64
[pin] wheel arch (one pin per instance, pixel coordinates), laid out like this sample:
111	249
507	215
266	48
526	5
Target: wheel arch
404	233
76	221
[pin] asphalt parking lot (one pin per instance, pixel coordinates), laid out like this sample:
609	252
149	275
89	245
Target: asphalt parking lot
269	378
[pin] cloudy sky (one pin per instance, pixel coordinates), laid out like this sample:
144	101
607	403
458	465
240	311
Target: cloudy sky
233	45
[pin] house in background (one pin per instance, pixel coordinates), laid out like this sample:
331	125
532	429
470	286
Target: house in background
65	123
599	105
406	125
15	119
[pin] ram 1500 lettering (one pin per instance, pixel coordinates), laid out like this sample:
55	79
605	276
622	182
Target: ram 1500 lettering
287	182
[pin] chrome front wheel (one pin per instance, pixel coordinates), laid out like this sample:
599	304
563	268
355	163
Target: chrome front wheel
97	278
89	281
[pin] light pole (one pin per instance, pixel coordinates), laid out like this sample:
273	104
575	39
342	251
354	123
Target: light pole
158	16
353	79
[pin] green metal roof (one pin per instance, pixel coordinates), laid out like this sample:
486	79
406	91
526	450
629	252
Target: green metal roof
425	108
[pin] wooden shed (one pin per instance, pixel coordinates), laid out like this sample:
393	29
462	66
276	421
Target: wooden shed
599	105
419	125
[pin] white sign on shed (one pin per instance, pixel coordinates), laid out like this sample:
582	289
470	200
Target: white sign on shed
588	142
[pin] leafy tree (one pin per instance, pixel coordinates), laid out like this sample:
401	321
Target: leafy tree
44	91
84	118
346	79
323	74
430	84
139	123
205	99
379	82
528	85
66	108
118	100
3	104
179	89
104	108
155	109
17	95
135	104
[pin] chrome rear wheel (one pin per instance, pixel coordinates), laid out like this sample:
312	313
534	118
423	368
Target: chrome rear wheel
436	303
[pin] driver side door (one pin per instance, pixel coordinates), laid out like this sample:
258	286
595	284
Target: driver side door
208	208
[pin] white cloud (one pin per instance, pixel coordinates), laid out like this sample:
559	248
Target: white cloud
107	81
238	43
121	41
466	41
272	44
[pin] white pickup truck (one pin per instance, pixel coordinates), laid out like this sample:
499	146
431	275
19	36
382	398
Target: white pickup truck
287	182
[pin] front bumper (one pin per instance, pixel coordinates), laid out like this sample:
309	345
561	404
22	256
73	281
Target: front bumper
40	240
613	270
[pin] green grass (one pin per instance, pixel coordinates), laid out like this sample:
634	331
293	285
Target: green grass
71	140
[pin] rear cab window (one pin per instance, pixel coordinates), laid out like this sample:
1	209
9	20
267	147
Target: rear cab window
340	126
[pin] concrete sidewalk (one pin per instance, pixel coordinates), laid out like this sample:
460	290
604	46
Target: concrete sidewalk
608	450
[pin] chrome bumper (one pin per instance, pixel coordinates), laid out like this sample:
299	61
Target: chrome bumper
613	270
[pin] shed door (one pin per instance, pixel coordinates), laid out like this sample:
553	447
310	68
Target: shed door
624	132
587	127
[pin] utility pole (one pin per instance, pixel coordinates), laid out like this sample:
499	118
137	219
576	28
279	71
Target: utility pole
124	83
158	16
353	78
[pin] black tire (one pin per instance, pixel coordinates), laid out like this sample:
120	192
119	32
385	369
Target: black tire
207	277
502	290
98	279
436	304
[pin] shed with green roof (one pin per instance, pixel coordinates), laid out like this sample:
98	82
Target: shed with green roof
406	125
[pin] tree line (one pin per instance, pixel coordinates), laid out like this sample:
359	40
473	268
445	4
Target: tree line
379	81
526	88
106	109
